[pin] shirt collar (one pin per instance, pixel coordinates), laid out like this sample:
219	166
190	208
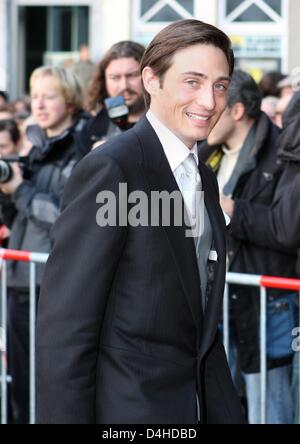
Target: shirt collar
231	152
175	150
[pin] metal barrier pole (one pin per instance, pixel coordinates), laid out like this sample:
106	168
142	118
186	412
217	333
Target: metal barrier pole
263	353
32	320
231	278
226	320
4	342
298	369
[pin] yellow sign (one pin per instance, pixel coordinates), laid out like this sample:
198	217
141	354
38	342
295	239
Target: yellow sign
256	73
237	40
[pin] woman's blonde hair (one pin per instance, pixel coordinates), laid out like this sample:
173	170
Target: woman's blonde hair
68	83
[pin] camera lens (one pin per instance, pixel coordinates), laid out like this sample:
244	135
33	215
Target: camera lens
5	171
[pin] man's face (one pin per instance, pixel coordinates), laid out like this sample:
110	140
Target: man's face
7	146
122	78
49	106
193	93
223	130
281	107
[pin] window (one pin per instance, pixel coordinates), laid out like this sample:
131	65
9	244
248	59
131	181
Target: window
276	5
257	29
253	10
151	15
67	27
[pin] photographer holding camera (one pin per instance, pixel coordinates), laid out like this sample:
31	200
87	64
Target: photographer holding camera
9	147
116	76
36	191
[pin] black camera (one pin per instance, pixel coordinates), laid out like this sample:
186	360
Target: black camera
117	111
6	171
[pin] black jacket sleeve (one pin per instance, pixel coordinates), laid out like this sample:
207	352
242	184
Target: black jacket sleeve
43	208
73	297
7	210
222	405
275	226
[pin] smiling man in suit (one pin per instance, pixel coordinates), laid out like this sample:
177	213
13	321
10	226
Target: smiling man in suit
128	313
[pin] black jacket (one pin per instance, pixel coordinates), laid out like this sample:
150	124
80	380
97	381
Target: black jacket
37	200
256	186
97	128
120	306
7	210
280	222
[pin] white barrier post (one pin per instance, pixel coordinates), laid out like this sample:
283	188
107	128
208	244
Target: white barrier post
298	366
4	342
32	322
20	255
226	320
263	353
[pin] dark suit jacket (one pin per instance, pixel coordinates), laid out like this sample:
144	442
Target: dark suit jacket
121	333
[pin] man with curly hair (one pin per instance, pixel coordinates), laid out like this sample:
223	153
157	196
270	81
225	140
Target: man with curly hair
117	74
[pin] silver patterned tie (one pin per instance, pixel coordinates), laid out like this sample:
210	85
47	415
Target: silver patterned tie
191	188
203	230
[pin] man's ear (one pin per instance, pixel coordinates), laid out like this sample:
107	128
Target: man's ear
150	81
238	111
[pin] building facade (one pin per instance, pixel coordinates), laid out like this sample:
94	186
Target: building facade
35	32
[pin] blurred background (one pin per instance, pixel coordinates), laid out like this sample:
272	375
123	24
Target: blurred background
36	32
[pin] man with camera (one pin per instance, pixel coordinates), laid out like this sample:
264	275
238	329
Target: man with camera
116	76
9	146
36	190
241	150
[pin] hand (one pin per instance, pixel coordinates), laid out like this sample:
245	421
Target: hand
98	143
227	205
16	180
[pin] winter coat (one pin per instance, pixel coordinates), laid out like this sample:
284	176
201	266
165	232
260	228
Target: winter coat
280	222
97	128
256	185
38	198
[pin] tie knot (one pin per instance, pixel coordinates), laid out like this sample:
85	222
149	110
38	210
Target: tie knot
190	164
191	169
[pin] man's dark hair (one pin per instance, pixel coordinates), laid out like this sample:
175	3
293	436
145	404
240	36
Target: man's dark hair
97	89
179	35
243	89
4	95
11	127
268	83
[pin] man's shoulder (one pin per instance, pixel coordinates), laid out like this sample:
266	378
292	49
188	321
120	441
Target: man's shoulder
122	150
267	133
127	145
120	146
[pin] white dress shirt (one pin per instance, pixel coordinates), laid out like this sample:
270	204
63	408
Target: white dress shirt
175	150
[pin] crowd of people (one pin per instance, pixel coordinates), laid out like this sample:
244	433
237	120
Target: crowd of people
253	151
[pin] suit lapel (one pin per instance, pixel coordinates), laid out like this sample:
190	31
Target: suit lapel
214	304
159	177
